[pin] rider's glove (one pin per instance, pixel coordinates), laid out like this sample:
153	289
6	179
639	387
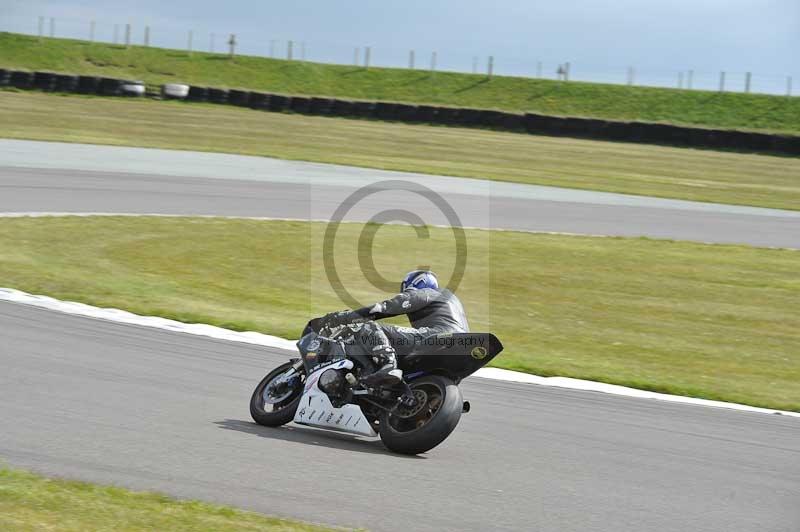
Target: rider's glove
335	319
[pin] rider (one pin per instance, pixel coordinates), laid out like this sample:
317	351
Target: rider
430	310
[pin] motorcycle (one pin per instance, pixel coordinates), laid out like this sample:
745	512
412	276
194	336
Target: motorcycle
323	388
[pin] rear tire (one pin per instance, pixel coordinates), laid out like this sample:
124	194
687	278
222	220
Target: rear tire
398	434
285	409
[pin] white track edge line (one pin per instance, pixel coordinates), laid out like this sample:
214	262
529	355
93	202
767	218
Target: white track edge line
256	338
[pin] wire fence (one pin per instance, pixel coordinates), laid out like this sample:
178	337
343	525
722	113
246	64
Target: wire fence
290	47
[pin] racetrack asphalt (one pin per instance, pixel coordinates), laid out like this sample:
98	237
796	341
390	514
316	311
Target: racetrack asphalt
159	410
57	177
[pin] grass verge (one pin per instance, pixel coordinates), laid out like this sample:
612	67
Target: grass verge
723	177
32	502
719	322
156	65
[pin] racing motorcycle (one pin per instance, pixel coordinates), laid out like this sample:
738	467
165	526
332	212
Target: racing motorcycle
323	388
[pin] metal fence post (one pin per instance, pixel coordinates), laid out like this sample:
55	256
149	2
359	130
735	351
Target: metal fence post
367	56
127	35
411	60
232	44
147	36
41	28
722	81
490	66
747	77
52	27
567	67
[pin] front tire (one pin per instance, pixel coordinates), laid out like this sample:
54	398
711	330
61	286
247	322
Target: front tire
421	428
281	411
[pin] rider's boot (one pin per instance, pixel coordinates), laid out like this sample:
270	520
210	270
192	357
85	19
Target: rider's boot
388	374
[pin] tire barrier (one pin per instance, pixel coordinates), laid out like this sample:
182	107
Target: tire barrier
174	91
364	109
197	94
217	95
259	100
342	108
132	88
239	97
44	81
88	84
406	113
662	134
110	87
427	113
533	123
66	83
385	110
21	79
300	104
448	116
321	106
278	103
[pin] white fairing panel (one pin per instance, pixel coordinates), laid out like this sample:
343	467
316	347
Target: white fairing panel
315	408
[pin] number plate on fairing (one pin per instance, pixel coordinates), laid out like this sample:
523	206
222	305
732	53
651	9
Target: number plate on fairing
315	408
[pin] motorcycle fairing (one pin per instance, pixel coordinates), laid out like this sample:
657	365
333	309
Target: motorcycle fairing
315	408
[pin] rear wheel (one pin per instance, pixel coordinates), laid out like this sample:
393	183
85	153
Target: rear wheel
417	429
276	397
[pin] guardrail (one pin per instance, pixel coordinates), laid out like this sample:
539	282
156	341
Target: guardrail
589	128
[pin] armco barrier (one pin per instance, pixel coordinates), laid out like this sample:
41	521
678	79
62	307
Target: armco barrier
590	128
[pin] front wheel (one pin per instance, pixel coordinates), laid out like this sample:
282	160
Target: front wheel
417	429
275	399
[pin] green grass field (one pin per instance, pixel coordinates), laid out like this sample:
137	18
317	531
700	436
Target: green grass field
32	502
701	175
154	65
712	321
